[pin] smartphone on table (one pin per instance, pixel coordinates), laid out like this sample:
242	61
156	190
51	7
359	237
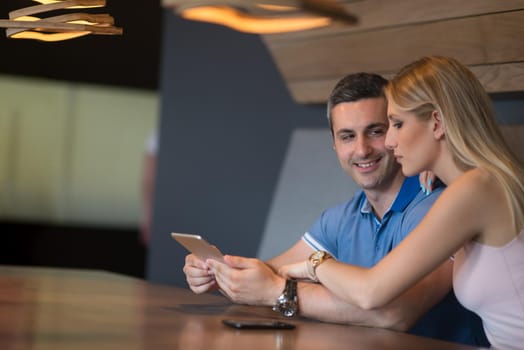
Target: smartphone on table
258	324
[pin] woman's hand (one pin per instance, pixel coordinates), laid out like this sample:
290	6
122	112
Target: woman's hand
300	270
427	181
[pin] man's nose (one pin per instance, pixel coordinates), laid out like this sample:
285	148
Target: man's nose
362	147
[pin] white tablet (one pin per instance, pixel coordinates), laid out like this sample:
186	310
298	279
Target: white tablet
198	246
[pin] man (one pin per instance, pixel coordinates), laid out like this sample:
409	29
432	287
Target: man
360	231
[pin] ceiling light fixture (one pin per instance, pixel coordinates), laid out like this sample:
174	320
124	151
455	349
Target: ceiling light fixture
23	25
263	16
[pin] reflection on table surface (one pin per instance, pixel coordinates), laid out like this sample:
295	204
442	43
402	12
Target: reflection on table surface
43	308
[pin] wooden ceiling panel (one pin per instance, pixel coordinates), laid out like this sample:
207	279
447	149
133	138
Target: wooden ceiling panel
484	34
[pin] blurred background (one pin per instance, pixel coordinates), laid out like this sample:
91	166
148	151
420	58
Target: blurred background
75	117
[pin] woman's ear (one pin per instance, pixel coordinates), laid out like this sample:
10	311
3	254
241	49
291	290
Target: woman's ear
439	129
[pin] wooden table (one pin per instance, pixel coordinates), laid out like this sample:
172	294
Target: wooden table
42	308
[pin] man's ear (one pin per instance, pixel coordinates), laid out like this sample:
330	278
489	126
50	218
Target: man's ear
439	129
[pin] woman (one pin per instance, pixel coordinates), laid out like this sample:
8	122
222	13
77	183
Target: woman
441	120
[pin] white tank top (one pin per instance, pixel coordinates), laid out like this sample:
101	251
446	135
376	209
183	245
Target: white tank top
490	282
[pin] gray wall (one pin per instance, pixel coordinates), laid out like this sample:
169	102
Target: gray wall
225	125
310	181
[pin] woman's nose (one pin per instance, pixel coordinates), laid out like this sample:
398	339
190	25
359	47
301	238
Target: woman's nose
390	140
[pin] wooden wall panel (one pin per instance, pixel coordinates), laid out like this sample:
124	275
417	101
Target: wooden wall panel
514	135
501	77
508	77
484	34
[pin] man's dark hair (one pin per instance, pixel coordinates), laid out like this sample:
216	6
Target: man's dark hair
355	87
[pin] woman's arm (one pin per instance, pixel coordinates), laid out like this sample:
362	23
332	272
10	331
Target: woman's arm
453	220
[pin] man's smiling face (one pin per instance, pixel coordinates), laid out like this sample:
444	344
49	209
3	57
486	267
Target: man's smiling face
359	132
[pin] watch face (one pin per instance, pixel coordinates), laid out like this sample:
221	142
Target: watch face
316	257
289	308
286	307
288	312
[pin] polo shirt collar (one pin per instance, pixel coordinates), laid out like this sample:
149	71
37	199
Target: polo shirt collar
408	191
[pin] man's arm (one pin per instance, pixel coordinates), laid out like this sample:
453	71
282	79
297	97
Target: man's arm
251	281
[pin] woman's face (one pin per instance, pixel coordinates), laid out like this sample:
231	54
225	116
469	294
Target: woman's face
411	139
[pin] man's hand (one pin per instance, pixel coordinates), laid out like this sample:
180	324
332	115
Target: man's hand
247	281
198	275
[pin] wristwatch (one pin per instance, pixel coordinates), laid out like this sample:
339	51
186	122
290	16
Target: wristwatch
287	302
315	260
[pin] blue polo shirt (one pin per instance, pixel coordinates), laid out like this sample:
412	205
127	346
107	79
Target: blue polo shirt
353	234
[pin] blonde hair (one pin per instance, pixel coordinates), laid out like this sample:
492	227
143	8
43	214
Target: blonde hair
472	134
